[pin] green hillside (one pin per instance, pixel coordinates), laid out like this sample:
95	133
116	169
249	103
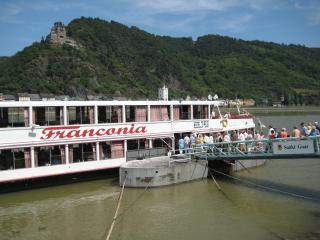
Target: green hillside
114	59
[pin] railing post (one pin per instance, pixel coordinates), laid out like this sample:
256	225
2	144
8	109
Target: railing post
317	144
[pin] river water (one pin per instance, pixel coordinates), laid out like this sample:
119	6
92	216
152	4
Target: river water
195	210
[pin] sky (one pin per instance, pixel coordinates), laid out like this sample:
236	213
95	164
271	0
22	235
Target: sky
23	22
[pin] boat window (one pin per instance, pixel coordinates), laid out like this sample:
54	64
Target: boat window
110	114
136	113
14	117
111	149
81	115
82	152
159	113
15	159
137	144
182	112
46	116
49	155
200	112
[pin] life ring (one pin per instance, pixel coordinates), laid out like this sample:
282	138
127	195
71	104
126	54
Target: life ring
224	122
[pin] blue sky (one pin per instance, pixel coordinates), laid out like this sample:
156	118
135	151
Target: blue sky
281	21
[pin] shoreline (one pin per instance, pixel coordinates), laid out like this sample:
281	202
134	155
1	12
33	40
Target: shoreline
300	109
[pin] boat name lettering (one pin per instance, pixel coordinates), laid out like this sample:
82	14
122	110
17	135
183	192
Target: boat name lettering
76	132
299	146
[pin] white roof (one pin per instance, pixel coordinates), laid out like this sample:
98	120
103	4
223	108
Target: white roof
103	103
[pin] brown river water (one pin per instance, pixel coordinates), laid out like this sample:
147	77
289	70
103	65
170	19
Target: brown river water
194	210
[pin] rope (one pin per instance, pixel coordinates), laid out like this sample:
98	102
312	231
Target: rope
218	186
116	213
244	166
135	200
265	187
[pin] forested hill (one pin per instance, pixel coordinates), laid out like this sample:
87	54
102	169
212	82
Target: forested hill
114	59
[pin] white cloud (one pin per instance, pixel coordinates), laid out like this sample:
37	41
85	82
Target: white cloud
315	19
9	12
205	5
311	9
235	24
186	5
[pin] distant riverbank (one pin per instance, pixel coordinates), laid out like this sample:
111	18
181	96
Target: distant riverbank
258	111
284	110
294	108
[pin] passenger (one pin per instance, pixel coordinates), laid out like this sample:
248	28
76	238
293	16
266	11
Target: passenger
277	133
206	139
272	134
192	140
234	136
317	126
211	139
215	137
259	136
242	137
181	144
314	132
284	133
309	129
249	135
213	114
270	129
186	143
296	132
226	137
303	129
245	133
199	139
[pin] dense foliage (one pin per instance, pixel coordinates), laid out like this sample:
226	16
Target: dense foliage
114	59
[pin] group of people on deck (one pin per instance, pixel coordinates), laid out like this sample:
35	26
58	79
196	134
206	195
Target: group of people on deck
188	141
311	130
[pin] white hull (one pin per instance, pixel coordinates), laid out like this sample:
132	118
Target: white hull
55	170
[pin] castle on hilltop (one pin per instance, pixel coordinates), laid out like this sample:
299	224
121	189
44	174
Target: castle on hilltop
58	35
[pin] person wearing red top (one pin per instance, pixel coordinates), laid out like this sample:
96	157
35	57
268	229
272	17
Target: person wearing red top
272	133
284	133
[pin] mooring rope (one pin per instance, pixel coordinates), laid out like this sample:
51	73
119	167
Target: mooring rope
135	200
117	209
218	186
265	187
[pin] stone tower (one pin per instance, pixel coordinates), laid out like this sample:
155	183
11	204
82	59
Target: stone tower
58	35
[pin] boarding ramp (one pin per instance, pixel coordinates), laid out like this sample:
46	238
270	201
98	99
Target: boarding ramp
305	147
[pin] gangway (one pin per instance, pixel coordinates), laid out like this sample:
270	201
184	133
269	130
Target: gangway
304	147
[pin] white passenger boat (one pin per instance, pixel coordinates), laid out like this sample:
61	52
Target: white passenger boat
40	139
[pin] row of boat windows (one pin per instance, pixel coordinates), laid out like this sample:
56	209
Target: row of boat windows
54	155
44	116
